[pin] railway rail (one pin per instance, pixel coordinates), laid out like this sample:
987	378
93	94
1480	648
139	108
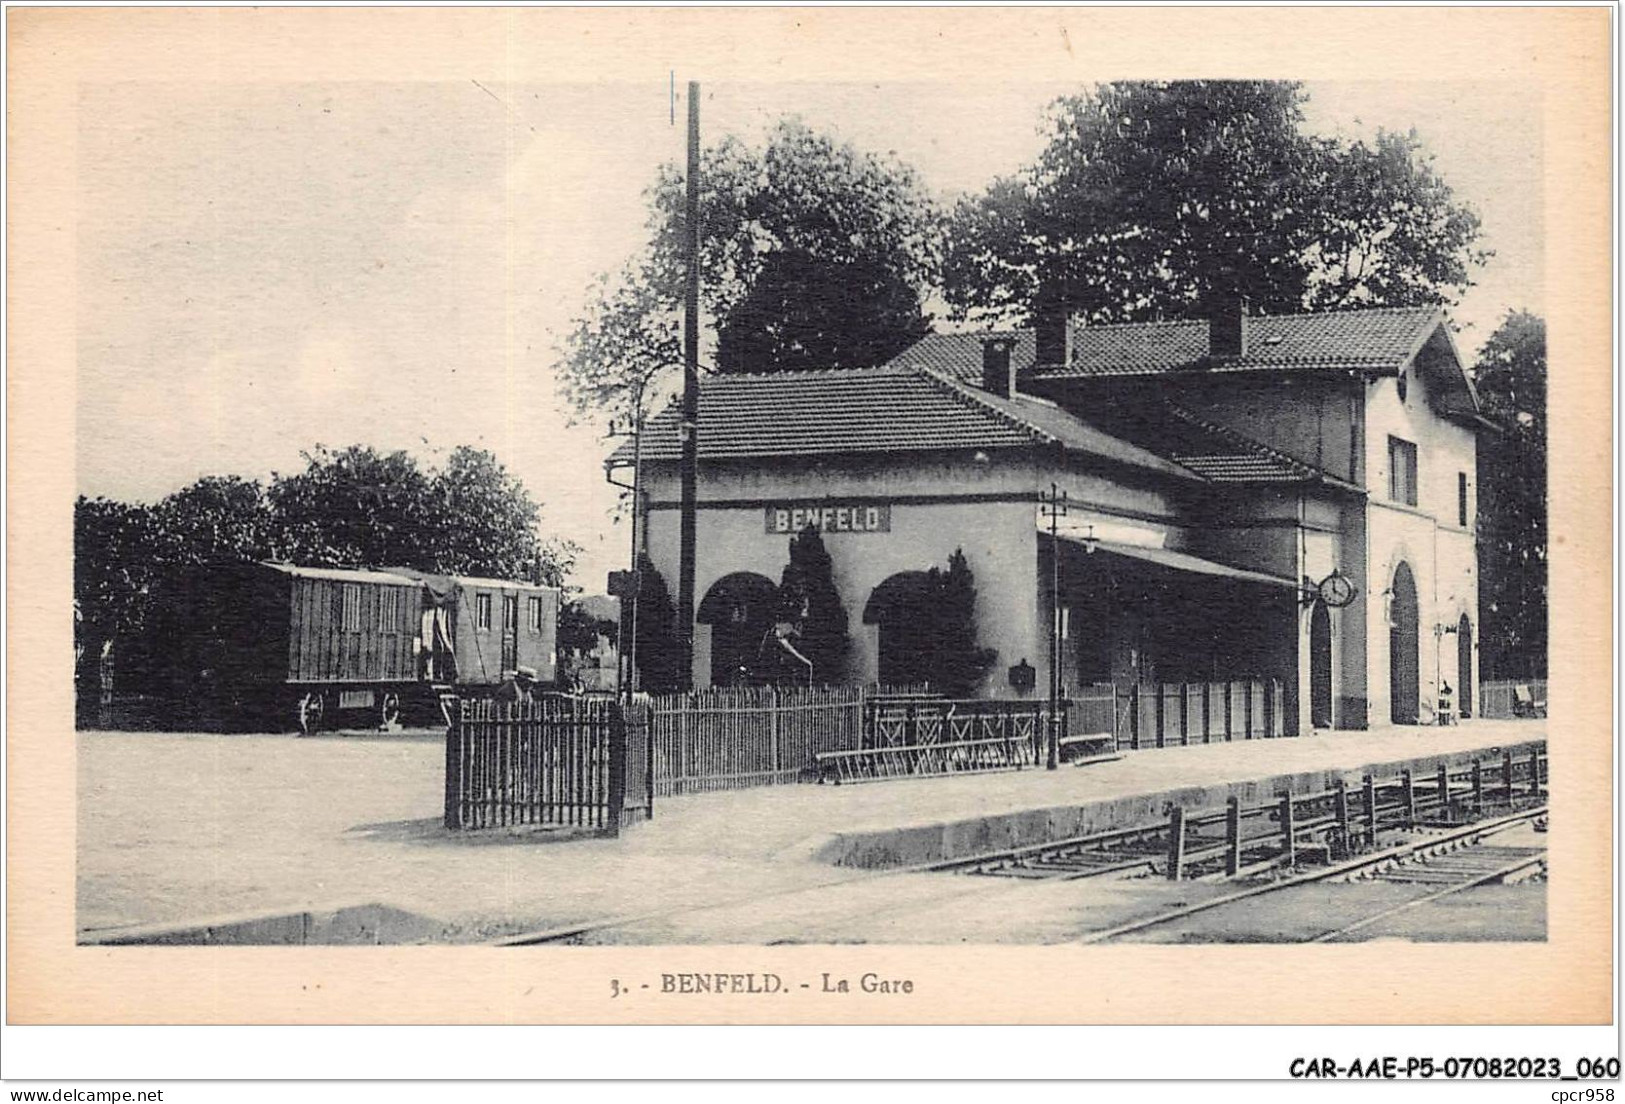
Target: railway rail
1454	861
1266	848
1290	829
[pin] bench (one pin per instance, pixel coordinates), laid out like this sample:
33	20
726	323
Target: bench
1088	747
1525	704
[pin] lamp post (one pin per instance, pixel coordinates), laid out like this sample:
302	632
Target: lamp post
1054	506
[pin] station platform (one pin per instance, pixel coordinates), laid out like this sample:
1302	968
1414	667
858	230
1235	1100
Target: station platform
915	821
338	823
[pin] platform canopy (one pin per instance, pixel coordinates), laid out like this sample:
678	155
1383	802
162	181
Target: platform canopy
1174	561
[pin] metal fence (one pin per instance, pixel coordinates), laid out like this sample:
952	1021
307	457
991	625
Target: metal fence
557	760
731	738
911	736
1500	698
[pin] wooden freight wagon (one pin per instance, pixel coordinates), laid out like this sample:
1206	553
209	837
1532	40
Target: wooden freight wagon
259	641
499	627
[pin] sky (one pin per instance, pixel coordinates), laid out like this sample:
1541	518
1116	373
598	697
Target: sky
267	267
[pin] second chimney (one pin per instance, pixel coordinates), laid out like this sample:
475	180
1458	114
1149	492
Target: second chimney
1052	332
1227	326
998	368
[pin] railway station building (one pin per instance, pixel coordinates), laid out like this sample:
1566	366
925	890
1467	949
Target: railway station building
1286	498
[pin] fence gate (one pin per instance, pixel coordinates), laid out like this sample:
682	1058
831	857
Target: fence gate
555	760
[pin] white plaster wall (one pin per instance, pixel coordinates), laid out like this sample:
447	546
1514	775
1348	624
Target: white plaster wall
999	538
1441	552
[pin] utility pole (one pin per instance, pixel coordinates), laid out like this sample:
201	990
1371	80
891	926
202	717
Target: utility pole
691	396
629	647
1054	506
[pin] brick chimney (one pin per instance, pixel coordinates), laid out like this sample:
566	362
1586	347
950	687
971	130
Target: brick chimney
1227	325
1053	333
998	369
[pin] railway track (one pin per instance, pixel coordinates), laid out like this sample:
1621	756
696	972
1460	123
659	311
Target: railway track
1439	863
1287	831
1297	840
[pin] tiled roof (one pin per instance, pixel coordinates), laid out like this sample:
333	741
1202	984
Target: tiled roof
888	409
959	355
801	413
1376	338
1225	456
1072	433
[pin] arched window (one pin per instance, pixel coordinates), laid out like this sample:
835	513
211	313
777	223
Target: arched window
1404	668
1320	666
1464	665
900	606
739	608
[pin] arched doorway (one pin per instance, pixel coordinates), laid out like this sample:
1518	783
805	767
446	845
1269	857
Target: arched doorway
1464	665
1320	666
1404	678
739	609
900	606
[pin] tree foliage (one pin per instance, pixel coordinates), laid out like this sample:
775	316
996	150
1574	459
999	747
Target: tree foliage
486	523
1149	196
114	568
957	661
353	507
809	602
579	629
813	254
1512	522
655	634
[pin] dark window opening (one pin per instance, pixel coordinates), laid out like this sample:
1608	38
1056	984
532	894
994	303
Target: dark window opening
1402	471
482	611
1461	499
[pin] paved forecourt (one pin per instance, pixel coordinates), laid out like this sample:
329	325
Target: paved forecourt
180	828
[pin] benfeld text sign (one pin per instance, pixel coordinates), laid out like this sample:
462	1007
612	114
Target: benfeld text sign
830	518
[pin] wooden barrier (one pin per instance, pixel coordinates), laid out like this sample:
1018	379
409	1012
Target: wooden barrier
731	738
1280	831
1179	714
555	761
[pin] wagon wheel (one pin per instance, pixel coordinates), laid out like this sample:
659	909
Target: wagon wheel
309	712
390	711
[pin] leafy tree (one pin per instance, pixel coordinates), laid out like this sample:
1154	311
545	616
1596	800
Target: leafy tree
957	662
628	336
356	507
809	601
217	517
578	630
804	311
1150	196
856	229
1512	522
484	522
351	508
655	633
117	550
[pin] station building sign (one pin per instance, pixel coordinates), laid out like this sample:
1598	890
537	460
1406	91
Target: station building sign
830	517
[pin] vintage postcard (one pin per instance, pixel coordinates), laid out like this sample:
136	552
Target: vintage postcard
904	516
